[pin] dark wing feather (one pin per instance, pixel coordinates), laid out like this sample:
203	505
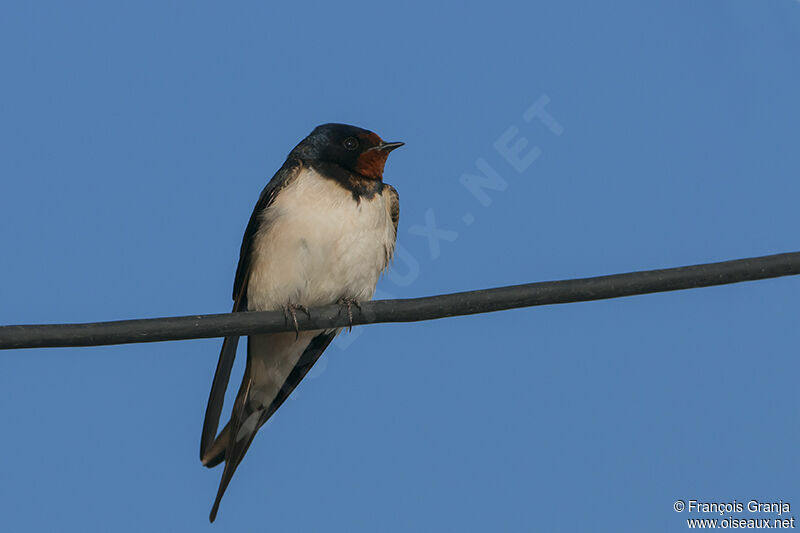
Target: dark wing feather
216	398
239	438
394	205
393	200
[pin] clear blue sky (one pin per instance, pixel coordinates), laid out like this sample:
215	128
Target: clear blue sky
136	139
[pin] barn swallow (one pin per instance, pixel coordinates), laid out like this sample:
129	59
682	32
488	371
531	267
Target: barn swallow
322	232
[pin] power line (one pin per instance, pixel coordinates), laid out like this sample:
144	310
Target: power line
407	310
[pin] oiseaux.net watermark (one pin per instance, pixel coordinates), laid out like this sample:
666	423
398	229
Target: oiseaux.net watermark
735	514
513	152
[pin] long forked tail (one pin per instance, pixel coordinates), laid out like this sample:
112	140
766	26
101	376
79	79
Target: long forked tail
217	395
248	416
234	440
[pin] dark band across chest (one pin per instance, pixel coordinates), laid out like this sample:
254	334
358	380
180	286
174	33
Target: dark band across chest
360	186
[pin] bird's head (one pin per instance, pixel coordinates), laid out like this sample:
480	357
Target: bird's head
351	147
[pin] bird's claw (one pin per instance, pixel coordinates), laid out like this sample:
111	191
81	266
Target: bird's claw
350	302
291	310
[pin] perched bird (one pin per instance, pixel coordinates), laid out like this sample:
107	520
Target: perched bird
322	231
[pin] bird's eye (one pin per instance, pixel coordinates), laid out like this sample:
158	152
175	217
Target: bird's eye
351	143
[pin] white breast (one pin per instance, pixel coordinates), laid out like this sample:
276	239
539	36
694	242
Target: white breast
317	244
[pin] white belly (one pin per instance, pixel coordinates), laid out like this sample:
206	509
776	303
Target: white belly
317	245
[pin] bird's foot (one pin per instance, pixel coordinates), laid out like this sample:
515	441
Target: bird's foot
350	302
290	310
